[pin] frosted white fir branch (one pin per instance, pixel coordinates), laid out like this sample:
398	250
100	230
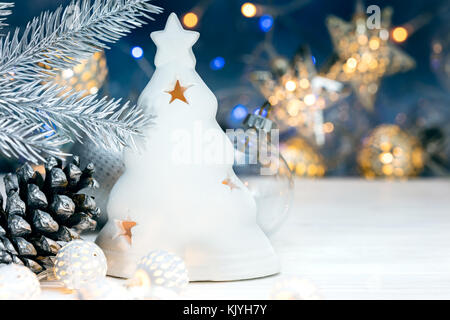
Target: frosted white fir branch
4	12
21	138
107	123
62	39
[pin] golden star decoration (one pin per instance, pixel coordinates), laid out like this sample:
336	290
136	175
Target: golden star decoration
229	182
178	93
296	96
365	56
124	229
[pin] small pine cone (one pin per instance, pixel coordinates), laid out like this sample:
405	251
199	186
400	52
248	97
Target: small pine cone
45	211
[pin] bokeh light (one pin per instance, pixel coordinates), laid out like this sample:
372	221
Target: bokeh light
248	10
266	23
310	99
399	34
217	63
190	20
290	85
137	52
239	112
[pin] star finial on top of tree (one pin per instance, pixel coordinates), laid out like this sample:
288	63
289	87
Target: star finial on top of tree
174	43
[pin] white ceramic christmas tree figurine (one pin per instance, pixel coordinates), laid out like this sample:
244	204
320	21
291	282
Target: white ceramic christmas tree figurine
181	194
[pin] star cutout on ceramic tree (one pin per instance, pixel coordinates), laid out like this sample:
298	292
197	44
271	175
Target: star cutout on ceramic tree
178	93
229	182
124	229
364	56
174	44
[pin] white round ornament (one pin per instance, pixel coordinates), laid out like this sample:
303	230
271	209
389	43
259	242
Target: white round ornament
163	269
18	283
79	262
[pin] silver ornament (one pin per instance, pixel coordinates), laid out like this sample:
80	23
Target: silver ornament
109	167
18	283
78	263
161	268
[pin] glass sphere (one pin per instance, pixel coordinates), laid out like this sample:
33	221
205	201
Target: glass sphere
18	283
78	263
293	288
391	153
267	175
160	268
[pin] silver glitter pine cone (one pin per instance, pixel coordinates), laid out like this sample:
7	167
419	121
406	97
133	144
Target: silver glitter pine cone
43	210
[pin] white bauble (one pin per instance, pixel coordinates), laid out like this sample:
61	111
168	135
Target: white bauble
78	263
163	269
18	283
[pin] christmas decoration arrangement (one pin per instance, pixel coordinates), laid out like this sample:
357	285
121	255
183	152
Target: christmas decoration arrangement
191	204
179	200
37	118
44	211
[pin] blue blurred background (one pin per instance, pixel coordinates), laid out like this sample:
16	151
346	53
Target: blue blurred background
416	100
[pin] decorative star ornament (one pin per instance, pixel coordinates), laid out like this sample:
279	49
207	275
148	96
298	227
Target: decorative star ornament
174	44
178	93
299	95
229	182
124	229
364	56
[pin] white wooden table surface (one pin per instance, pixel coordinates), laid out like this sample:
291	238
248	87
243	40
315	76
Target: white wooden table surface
356	239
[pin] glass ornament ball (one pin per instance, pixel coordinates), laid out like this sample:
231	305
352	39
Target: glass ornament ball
103	289
269	179
78	263
390	152
17	282
88	76
160	268
302	158
294	288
